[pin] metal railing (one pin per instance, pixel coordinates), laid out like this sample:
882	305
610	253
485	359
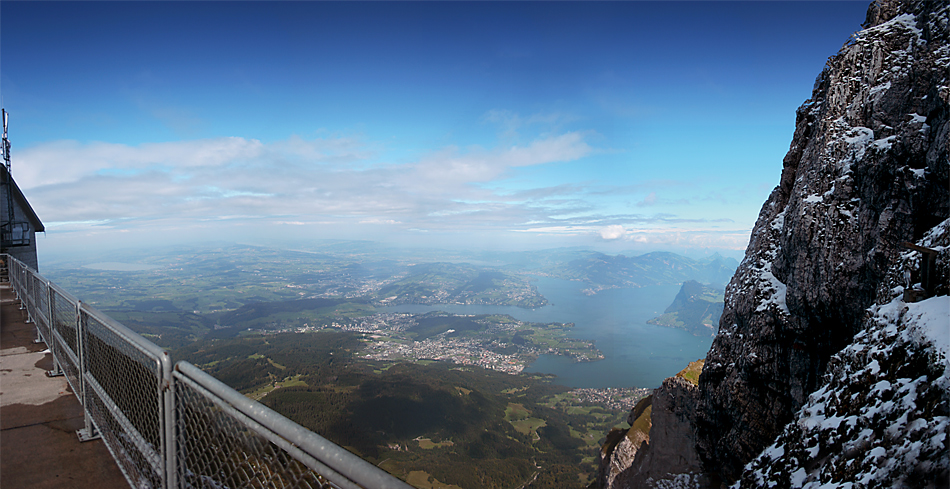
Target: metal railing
173	426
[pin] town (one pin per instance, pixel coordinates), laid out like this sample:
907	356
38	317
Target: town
500	343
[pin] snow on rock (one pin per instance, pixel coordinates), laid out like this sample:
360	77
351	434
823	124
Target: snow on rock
775	288
929	322
882	418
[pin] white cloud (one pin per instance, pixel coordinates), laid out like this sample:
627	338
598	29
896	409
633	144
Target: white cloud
453	167
614	231
648	200
69	161
211	187
511	123
291	180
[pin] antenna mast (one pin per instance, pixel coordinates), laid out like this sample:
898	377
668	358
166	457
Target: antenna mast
12	233
6	142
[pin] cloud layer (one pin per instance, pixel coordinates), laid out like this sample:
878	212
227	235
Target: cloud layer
334	183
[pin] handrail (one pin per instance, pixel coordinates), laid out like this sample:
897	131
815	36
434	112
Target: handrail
172	426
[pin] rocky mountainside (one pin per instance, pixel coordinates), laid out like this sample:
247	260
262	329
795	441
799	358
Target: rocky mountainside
867	170
882	417
661	442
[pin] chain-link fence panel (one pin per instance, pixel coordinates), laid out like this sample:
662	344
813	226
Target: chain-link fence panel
226	440
39	292
13	266
17	271
27	299
122	373
65	335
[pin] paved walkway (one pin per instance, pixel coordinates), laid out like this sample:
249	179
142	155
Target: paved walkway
39	417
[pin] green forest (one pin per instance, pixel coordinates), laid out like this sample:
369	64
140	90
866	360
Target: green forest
467	427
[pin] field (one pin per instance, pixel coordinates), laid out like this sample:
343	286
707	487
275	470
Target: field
439	424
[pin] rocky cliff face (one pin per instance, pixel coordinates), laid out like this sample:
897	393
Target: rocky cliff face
866	171
667	456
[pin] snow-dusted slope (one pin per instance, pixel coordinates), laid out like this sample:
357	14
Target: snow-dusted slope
881	418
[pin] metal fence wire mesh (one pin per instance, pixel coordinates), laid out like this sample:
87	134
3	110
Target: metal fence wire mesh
123	396
64	320
28	300
65	336
41	308
218	449
16	272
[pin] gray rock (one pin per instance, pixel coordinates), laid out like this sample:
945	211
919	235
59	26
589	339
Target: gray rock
867	170
667	458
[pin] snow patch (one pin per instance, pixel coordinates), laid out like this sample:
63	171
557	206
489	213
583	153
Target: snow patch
907	21
779	221
884	143
778	292
858	139
928	321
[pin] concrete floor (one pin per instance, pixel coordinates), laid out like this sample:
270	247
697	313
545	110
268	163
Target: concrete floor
39	417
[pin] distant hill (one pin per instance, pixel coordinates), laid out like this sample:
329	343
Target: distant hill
447	283
696	309
658	268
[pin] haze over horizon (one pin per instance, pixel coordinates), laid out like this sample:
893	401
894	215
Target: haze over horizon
616	126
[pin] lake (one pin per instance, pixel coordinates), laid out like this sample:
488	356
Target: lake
637	354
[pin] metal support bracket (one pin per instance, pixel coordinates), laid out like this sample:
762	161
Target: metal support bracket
57	370
88	434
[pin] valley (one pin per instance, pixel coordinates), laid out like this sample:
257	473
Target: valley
429	370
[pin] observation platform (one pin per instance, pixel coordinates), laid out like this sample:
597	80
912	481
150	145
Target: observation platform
39	416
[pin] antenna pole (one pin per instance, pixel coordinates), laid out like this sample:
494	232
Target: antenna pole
6	142
6	235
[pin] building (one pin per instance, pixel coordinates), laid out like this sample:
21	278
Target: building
18	222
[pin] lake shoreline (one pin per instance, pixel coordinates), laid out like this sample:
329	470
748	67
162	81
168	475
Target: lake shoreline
636	354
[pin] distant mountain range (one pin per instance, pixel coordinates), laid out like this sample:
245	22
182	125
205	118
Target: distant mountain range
658	268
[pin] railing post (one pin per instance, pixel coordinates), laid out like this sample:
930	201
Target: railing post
89	431
171	431
20	296
57	370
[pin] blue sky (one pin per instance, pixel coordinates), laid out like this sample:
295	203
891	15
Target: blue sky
630	126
